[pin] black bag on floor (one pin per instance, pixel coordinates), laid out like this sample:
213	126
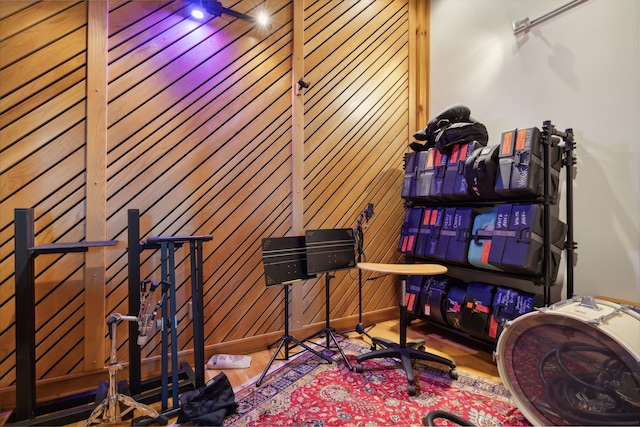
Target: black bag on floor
209	404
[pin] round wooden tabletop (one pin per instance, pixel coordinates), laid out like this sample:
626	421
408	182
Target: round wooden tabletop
404	269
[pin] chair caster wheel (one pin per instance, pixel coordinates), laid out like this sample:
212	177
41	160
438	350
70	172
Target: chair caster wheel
412	390
359	368
453	374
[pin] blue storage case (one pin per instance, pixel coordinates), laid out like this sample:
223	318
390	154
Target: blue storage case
500	235
439	169
413	293
481	237
455	183
426	171
455	233
425	231
435	225
524	246
521	165
409	230
410	183
509	304
433	298
454	304
446	233
477	309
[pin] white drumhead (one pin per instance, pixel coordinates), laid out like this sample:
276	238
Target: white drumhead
574	363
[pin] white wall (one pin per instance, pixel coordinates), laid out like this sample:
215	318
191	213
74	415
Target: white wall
580	70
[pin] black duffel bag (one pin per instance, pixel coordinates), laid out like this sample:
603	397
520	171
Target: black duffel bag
209	404
452	126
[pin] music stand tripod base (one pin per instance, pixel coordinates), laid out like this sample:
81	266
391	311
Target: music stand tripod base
328	331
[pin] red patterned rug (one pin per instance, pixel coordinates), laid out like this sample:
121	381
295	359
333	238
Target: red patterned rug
307	391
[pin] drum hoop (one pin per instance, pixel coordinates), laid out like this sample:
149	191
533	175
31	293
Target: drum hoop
598	323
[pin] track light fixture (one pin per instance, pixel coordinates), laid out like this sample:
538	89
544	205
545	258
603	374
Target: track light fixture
201	8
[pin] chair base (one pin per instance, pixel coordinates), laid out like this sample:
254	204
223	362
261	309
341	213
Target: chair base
406	355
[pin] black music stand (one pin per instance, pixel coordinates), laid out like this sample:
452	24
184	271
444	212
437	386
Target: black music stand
330	250
284	261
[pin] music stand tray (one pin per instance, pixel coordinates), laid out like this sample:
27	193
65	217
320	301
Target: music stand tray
400	350
284	261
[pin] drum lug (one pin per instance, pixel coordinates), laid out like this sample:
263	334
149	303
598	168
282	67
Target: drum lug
589	302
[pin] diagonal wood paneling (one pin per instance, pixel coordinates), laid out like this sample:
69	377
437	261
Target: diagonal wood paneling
356	116
42	114
204	110
199	130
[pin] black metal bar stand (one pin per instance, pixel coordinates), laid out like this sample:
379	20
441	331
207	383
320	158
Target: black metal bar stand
25	253
287	340
167	246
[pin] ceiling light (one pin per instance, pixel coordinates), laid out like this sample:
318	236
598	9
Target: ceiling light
200	8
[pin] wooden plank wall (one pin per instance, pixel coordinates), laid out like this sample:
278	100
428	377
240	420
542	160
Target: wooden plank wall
199	139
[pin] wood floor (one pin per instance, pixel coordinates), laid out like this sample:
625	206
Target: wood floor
468	355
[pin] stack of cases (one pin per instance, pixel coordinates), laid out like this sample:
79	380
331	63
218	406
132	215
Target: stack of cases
504	237
521	165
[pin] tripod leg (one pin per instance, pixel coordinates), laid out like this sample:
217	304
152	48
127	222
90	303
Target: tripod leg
273	357
132	404
97	411
317	353
346	361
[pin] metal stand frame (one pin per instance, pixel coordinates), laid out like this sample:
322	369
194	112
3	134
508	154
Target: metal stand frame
25	254
109	410
167	246
358	234
287	340
328	331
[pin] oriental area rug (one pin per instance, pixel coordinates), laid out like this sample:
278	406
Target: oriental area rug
308	391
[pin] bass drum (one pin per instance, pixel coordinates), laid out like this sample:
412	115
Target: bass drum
576	362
